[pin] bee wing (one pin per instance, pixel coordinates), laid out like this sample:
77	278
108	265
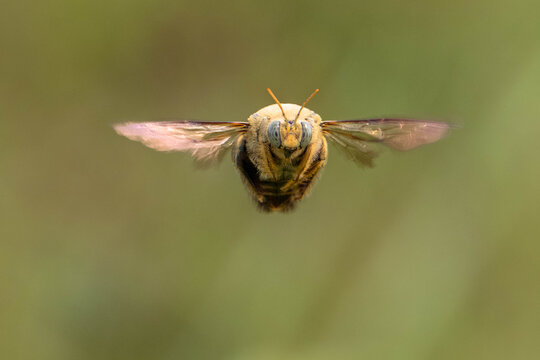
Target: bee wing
360	138
206	141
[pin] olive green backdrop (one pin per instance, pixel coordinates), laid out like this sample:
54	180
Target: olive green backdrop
109	250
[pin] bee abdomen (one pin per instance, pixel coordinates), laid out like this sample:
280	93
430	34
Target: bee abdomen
273	195
277	203
267	194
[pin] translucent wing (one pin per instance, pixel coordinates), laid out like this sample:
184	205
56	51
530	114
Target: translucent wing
206	141
359	138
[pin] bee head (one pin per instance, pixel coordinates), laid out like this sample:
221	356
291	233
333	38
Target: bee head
292	129
288	134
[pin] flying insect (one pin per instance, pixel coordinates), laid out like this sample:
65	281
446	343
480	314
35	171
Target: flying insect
282	148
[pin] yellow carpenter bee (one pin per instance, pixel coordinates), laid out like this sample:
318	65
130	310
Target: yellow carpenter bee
282	148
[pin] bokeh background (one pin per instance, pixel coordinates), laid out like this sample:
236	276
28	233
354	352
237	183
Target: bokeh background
109	250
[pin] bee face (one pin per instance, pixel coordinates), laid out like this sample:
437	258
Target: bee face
285	136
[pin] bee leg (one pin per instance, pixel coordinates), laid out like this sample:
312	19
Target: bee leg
305	180
313	163
309	178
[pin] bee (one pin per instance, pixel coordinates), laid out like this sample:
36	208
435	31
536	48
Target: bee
282	148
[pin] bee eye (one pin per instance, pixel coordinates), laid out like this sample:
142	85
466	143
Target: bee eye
273	133
306	134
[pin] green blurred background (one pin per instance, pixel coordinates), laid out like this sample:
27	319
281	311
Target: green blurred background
110	250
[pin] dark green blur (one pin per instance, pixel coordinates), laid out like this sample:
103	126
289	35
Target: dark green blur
110	250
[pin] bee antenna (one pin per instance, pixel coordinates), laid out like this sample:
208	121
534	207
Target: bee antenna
304	104
277	101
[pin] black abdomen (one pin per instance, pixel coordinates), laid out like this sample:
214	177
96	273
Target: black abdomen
269	195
